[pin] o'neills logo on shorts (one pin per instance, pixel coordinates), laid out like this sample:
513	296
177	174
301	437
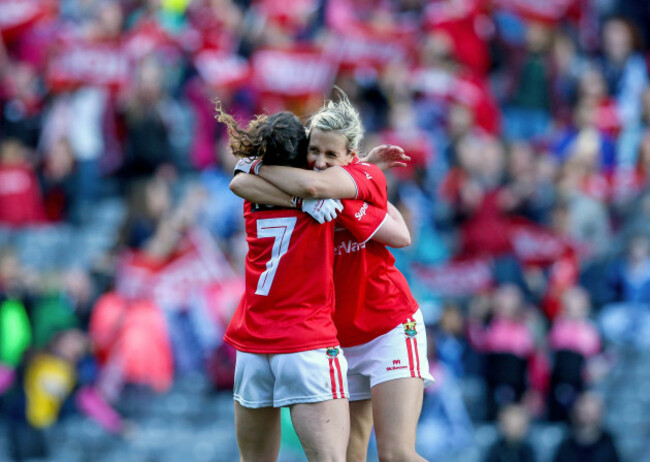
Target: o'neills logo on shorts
332	352
397	364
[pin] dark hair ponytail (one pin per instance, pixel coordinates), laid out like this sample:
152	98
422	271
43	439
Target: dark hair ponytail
279	139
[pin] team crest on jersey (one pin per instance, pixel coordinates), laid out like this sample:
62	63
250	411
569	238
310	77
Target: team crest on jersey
333	352
409	329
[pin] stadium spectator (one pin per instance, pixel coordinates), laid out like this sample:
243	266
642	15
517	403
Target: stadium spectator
629	278
445	427
626	318
475	190
625	72
588	439
22	103
60	181
567	65
512	444
574	341
147	141
21	201
506	343
527	114
452	348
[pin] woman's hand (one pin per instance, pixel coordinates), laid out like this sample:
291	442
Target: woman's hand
387	156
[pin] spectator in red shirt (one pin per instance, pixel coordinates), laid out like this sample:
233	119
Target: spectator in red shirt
475	190
21	203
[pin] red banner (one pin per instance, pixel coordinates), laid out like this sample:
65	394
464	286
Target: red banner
18	15
457	278
146	37
220	69
202	264
293	73
448	11
294	17
199	265
535	245
546	10
364	47
78	64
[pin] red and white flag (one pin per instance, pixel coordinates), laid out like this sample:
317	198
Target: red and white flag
457	278
535	245
84	63
222	70
363	46
546	10
198	265
293	72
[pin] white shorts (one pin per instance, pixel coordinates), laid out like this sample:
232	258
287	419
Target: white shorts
277	380
400	353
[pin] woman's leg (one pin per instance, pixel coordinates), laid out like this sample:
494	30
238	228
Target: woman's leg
360	429
323	429
258	433
257	422
396	407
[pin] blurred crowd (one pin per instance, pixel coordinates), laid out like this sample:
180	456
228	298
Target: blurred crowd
121	247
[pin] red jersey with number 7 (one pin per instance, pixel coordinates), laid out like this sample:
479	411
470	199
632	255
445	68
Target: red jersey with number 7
289	298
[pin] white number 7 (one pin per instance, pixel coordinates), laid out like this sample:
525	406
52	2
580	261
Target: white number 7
280	230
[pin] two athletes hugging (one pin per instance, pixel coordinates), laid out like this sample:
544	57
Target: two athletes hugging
327	325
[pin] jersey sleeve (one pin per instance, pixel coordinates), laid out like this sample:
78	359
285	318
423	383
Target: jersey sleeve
361	219
370	182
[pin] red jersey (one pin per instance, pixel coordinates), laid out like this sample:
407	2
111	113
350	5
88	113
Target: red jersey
20	197
372	296
369	181
289	298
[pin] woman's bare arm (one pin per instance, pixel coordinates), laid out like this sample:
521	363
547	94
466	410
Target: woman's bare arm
332	183
256	189
393	232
